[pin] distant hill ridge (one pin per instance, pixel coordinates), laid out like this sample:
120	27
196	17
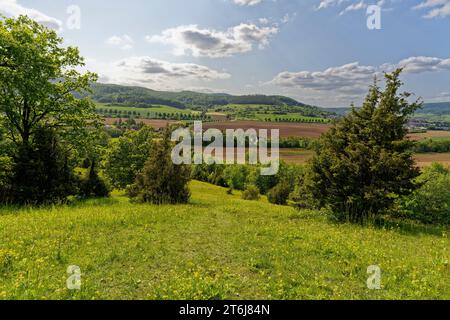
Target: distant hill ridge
143	97
437	108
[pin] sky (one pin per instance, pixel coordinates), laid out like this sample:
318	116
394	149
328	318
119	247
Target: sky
320	52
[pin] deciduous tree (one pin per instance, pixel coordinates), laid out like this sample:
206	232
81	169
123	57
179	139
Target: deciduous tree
39	79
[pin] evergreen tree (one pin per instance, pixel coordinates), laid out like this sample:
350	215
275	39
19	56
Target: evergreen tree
161	181
93	185
365	161
41	173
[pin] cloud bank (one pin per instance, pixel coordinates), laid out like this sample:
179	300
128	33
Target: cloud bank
192	40
12	8
353	79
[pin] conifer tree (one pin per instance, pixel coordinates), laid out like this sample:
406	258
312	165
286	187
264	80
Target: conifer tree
41	171
161	181
365	161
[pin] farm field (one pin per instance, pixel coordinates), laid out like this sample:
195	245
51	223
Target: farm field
217	116
426	159
431	134
296	156
433	117
305	130
300	156
253	250
261	112
154	123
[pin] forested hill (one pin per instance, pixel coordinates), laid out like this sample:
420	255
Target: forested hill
439	108
436	109
143	97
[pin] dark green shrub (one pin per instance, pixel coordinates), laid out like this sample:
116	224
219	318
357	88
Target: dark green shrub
235	176
431	202
279	194
93	186
161	181
251	193
41	173
6	173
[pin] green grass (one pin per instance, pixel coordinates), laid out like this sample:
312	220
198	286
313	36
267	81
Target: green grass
433	117
263	112
144	111
217	247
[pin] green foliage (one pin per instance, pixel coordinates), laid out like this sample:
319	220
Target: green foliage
235	176
263	183
39	77
161	181
126	157
298	143
432	145
41	172
93	186
6	173
251	193
40	83
365	161
301	196
431	202
279	194
209	173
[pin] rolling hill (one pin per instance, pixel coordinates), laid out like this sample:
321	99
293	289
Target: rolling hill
428	109
216	247
146	98
440	108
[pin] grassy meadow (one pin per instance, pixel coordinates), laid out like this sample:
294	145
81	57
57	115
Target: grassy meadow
216	247
144	111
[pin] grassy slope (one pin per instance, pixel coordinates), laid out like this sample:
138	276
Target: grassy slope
217	247
256	112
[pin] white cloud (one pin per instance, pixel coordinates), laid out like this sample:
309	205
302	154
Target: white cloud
191	39
436	8
350	78
353	79
354	7
157	74
347	6
14	9
330	3
247	2
423	64
288	17
125	42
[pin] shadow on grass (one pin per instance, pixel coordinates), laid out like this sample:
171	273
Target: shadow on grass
101	202
401	225
410	227
70	203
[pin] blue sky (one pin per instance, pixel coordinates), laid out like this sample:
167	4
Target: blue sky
317	51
